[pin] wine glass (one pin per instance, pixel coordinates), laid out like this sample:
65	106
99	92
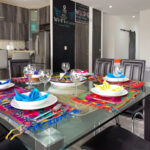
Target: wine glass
65	66
28	72
118	71
76	77
45	76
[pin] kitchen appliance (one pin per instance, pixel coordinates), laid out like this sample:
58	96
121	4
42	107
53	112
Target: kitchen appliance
41	45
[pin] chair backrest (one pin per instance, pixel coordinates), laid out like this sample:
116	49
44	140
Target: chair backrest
20	55
16	67
103	66
134	69
3	59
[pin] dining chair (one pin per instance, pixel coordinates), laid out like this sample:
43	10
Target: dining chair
20	55
134	70
103	66
116	138
15	144
16	67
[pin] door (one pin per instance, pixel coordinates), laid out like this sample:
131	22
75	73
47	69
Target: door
63	46
96	35
82	45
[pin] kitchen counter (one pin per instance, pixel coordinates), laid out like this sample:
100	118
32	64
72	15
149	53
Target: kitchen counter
10	52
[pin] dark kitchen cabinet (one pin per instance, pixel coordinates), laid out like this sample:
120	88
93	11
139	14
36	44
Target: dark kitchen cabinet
1	30
44	15
15	22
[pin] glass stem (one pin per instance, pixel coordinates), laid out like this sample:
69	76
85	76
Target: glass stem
44	86
76	90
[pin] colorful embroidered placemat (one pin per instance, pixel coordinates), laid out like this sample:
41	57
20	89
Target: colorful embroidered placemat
20	79
108	104
10	92
128	84
25	119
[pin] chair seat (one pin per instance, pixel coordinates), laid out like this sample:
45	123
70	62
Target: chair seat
15	144
116	138
3	132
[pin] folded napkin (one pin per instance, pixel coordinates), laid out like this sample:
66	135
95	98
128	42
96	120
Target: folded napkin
36	72
33	96
109	75
106	86
85	71
5	82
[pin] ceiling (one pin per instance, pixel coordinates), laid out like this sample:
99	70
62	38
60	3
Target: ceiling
28	3
119	7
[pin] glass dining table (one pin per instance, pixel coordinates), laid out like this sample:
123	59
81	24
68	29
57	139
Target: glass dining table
72	129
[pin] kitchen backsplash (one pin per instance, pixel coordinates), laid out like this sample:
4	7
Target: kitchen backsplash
9	44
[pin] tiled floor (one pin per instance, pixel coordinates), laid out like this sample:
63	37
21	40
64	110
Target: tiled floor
125	123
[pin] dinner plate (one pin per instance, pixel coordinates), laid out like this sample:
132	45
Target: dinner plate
34	83
109	93
34	105
66	84
116	79
6	86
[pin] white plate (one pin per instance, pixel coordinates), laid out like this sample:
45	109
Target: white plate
87	74
34	83
116	79
65	84
108	93
6	86
34	105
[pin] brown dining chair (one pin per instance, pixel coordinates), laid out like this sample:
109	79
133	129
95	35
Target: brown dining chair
116	138
134	70
103	66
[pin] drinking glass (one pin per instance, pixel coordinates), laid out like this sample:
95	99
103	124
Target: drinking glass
45	76
76	77
118	71
65	66
28	72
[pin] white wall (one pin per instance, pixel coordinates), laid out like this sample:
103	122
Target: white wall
116	42
145	36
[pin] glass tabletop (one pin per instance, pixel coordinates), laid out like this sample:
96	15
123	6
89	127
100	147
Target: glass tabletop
77	126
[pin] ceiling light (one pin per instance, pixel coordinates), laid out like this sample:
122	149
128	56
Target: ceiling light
110	6
133	16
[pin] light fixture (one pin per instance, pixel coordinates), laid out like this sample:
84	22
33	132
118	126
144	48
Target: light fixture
133	16
110	6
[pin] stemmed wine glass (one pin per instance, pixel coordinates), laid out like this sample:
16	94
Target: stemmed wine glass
65	66
28	72
45	76
118	71
76	77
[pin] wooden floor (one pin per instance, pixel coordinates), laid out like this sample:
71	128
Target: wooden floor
125	123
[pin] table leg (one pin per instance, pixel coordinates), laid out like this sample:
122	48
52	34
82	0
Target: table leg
147	119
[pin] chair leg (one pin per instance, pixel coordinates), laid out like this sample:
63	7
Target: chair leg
133	118
117	121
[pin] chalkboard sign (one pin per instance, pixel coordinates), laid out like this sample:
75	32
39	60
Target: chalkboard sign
64	12
82	13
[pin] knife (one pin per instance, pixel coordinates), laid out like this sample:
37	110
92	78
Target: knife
103	100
